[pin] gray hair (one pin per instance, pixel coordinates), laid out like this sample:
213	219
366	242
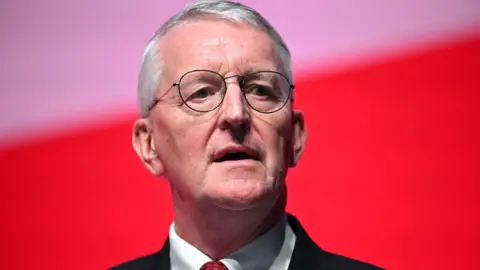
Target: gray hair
152	63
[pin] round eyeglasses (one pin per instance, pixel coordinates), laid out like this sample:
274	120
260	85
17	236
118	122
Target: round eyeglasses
264	91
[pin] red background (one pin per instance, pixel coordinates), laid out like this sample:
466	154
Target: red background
390	175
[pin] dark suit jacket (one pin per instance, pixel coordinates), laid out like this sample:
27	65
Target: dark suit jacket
306	255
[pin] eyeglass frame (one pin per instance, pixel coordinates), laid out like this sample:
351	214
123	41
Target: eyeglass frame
291	87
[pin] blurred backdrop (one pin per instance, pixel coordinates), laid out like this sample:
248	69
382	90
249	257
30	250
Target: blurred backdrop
390	90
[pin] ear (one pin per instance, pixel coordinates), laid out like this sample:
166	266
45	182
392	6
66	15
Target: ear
299	136
144	145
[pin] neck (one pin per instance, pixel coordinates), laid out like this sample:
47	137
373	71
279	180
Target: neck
200	227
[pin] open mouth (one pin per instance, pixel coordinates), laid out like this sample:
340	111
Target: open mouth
235	156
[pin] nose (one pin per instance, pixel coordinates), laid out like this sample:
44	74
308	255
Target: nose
234	112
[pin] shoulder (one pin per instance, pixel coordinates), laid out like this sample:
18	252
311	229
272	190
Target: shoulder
147	262
142	263
334	261
307	253
317	258
159	260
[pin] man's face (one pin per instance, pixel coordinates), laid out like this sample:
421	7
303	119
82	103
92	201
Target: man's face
195	151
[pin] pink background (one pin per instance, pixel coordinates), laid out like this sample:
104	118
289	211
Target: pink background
390	175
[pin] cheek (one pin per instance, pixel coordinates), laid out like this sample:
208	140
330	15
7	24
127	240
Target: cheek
181	143
277	139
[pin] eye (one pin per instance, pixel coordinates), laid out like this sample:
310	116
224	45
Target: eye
260	91
201	94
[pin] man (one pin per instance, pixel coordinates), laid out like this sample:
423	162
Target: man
216	95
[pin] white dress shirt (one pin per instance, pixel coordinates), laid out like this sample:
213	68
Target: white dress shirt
272	250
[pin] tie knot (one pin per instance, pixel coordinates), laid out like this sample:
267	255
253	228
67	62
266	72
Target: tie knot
216	265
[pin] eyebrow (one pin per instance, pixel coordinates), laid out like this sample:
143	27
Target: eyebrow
251	70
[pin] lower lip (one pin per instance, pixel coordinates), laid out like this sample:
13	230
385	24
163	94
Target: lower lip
245	162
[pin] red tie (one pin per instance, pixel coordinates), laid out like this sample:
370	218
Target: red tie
214	266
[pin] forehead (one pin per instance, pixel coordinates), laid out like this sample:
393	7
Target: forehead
218	45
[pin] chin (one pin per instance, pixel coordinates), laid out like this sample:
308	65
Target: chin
241	194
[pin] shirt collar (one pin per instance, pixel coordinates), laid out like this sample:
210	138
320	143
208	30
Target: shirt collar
272	250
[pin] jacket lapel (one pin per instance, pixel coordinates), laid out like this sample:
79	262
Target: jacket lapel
305	253
162	261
